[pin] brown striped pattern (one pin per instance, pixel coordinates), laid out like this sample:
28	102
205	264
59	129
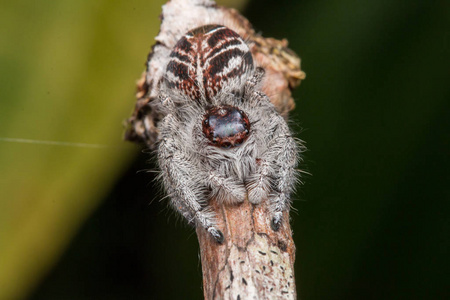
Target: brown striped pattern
205	58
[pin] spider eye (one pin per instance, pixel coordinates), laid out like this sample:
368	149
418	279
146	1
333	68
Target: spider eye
226	126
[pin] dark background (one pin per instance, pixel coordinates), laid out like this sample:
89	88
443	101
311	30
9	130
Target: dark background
372	220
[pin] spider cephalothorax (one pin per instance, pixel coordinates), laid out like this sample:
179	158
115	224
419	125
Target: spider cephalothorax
221	137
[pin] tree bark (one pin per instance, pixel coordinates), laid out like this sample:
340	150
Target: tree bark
254	262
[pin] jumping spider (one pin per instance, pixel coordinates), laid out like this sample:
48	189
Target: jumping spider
221	136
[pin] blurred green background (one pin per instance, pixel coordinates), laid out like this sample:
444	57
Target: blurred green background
82	222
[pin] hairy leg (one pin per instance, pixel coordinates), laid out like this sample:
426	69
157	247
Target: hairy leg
275	176
183	180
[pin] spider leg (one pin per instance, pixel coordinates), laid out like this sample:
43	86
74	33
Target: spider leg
276	176
284	150
183	179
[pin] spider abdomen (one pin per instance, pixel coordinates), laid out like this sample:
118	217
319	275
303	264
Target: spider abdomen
205	59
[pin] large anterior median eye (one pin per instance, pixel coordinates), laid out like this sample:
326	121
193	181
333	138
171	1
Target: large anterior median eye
226	126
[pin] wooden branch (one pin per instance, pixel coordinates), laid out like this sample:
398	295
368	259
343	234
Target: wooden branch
254	262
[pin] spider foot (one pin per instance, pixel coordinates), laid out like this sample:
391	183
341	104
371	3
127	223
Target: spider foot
275	224
216	234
